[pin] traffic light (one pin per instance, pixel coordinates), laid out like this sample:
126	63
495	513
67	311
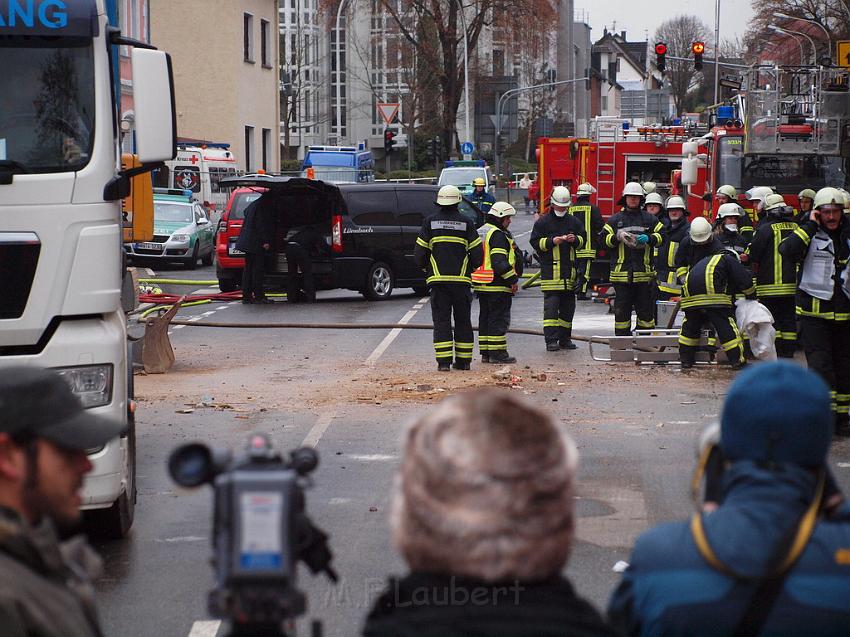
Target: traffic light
438	148
389	140
661	56
698	48
432	149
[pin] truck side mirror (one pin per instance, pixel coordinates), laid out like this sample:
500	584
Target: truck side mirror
690	166
153	95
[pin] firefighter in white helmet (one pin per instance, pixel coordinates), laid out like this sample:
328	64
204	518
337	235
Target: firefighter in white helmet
631	236
806	197
728	229
556	237
495	283
776	278
821	246
677	227
591	219
727	194
649	187
654	204
448	248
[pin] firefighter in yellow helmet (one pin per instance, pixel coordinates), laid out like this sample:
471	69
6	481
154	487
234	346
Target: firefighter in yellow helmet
495	283
448	248
591	219
480	197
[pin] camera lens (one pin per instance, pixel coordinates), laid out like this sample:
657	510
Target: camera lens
190	465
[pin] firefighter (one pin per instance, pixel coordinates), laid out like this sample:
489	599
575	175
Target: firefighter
449	249
689	253
556	237
591	219
707	298
665	263
807	200
649	187
821	246
480	197
776	277
728	229
727	194
495	282
632	234
654	205
756	197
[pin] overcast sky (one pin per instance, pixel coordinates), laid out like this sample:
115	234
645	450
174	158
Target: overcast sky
639	16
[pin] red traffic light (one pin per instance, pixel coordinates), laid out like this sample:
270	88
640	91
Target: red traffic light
660	48
698	48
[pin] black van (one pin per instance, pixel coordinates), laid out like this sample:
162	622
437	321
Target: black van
370	230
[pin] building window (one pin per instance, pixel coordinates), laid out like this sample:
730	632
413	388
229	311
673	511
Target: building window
498	62
267	145
248	37
264	44
249	149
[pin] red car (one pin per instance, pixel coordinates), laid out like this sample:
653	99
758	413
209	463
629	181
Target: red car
229	261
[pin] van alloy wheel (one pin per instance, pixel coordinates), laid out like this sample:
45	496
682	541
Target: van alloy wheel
379	282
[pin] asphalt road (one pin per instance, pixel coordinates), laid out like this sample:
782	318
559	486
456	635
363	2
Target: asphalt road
350	393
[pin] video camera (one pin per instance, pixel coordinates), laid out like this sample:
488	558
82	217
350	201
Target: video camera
260	531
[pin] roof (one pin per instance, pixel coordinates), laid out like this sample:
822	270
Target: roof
635	53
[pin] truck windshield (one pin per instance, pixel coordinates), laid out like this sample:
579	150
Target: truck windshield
460	176
47	102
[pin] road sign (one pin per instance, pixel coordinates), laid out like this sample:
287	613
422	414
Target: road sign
388	111
495	119
843	53
467	148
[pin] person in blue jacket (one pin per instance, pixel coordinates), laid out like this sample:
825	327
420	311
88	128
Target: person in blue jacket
769	551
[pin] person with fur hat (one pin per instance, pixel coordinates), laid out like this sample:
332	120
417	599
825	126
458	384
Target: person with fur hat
483	513
767	552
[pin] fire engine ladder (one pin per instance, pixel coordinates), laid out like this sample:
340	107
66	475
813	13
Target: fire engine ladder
606	153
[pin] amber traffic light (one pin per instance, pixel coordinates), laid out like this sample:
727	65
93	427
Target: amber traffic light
698	48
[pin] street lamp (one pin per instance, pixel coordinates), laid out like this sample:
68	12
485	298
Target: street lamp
785	16
465	72
773	27
339	74
812	42
716	52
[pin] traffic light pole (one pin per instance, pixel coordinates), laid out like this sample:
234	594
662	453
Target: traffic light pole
710	61
511	93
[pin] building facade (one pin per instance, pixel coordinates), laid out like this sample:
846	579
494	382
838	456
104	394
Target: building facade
226	73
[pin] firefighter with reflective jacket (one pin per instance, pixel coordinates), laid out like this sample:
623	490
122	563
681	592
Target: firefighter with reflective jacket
665	263
449	249
556	237
707	298
807	199
821	246
591	219
495	282
727	194
728	229
631	235
480	197
776	276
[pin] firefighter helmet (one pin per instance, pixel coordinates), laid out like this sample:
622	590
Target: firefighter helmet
448	196
829	197
648	187
633	188
727	190
808	193
729	210
479	181
585	190
561	196
676	202
654	197
759	193
773	202
502	209
700	230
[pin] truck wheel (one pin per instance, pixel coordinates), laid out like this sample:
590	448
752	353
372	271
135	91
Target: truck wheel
228	285
379	282
192	262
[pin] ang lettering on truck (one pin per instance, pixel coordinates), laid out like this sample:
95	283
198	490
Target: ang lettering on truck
48	18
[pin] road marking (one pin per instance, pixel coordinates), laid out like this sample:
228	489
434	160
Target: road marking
373	457
522	234
205	628
318	429
389	338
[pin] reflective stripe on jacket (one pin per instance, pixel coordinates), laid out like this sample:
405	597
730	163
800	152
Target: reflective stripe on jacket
448	247
499	258
557	262
591	219
632	265
775	276
713	281
665	262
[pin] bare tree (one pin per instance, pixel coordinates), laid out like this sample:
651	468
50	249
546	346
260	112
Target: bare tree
679	34
831	15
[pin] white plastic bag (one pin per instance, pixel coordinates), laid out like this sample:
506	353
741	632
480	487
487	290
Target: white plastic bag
756	321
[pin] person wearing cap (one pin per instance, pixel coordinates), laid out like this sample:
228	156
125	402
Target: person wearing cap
728	194
483	513
678	227
707	298
448	249
728	229
822	246
631	236
776	276
766	552
45	584
591	218
806	197
495	283
482	199
556	237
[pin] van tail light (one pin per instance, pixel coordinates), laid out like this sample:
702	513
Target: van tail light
336	234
